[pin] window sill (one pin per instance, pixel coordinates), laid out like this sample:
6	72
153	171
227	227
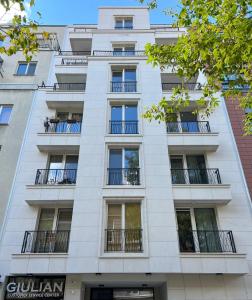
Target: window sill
50	186
39	255
24	75
140	187
123	255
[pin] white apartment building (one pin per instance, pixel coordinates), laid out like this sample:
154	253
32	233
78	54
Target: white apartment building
108	206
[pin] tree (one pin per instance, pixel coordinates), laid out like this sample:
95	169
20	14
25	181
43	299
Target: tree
21	33
217	44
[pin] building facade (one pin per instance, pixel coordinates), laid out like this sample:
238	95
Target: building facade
19	81
106	205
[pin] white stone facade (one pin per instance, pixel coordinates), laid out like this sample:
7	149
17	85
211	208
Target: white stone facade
175	275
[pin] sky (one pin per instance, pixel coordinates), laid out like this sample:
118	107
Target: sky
64	12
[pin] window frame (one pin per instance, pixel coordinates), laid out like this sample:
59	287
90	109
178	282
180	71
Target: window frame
124	19
27	68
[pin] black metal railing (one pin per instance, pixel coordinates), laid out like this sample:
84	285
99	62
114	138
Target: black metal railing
56	176
193	127
123	240
71	53
126	176
118	53
228	85
123	27
124	87
46	241
171	85
203	241
195	176
68	126
70	86
74	61
123	127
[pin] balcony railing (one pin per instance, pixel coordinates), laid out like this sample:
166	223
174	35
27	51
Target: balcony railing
71	53
69	86
123	127
74	61
195	176
206	241
68	126
126	176
124	87
118	53
123	27
46	241
191	127
123	240
56	176
189	86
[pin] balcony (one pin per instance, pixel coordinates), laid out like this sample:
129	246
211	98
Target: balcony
195	176
191	136
74	62
125	53
69	86
46	242
188	127
74	53
55	176
123	127
123	87
206	241
123	27
199	186
68	126
168	86
123	240
123	176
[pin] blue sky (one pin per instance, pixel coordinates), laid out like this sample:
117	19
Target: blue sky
85	11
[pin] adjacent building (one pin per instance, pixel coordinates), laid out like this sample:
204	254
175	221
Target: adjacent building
19	81
106	205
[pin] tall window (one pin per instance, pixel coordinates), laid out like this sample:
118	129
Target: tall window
124	167
124	119
53	230
198	230
124	23
26	68
123	80
5	112
124	232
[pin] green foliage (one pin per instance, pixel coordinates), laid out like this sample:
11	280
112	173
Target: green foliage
20	35
217	44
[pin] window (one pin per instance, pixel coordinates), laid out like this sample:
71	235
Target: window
124	167
123	50
124	80
26	69
62	169
53	230
198	231
124	232
124	119
5	112
124	23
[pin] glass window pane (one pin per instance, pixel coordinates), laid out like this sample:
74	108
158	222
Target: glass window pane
115	158
119	23
128	23
132	216
114	216
5	113
186	241
117	76
46	219
130	75
71	162
55	161
131	113
116	113
131	158
21	69
64	219
31	68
